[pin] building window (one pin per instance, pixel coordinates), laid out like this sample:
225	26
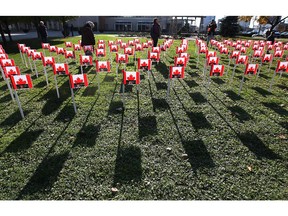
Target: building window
144	26
123	26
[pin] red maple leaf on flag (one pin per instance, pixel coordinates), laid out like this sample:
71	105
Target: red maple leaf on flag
60	68
282	67
131	77
11	72
251	69
176	73
78	81
49	61
86	60
217	70
7	64
144	64
21	82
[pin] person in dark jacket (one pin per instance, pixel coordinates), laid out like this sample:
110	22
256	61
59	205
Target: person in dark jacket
43	32
211	31
155	32
88	36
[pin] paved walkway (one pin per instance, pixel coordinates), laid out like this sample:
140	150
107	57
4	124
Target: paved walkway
33	34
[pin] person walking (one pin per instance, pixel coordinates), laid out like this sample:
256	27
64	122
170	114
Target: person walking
43	32
211	31
87	36
155	32
71	29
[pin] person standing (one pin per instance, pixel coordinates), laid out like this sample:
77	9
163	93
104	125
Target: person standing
43	32
155	32
87	36
71	29
211	31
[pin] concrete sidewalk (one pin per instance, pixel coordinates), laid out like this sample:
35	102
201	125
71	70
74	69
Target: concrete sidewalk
33	34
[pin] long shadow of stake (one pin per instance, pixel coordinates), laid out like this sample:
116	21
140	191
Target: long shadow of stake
48	170
196	150
250	140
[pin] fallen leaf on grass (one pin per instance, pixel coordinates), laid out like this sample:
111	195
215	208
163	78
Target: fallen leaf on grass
249	168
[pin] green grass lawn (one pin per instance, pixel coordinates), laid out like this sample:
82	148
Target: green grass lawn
198	145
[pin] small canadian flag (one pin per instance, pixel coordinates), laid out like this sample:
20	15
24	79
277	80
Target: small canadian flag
121	58
267	58
3	56
180	61
242	59
282	66
113	48
156	49
129	51
131	77
78	80
100	52
176	72
86	60
138	47
217	70
234	54
278	53
60	69
212	60
49	60
68	44
77	47
21	81
251	69
11	70
37	56
144	64
69	54
102	66
45	45
7	62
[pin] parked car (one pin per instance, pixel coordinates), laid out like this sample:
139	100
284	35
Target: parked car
284	34
258	35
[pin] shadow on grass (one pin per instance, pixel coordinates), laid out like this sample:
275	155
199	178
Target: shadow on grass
6	98
147	126
115	107
53	103
23	141
160	104
198	155
161	86
87	136
66	114
90	91
218	81
44	177
255	145
128	165
198	98
41	84
262	91
191	83
240	113
162	68
276	108
198	120
232	95
282	87
14	118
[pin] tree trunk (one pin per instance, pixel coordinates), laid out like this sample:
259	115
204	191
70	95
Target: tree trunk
8	30
2	35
